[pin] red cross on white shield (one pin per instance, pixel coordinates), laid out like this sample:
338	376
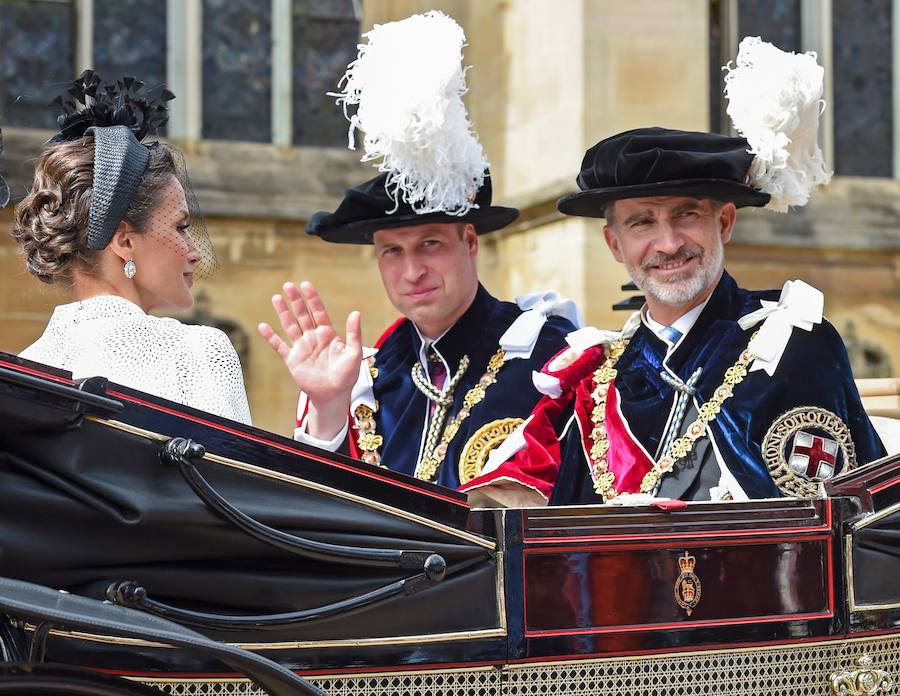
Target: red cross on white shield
813	456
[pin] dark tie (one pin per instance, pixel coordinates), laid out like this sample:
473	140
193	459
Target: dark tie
437	375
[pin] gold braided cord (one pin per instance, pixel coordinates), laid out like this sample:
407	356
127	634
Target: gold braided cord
603	479
442	397
428	466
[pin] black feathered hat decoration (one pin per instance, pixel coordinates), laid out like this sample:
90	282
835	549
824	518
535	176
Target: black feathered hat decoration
91	102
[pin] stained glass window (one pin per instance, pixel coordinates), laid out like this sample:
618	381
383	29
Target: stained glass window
130	39
863	76
325	35
717	49
237	69
775	21
37	50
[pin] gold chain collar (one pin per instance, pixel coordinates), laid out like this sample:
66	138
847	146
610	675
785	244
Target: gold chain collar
369	441
603	479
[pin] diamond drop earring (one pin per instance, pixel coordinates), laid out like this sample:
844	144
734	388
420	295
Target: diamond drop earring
130	269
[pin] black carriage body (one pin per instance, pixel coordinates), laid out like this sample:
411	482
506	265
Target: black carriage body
557	595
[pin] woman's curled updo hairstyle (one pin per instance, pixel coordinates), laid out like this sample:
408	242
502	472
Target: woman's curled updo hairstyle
51	222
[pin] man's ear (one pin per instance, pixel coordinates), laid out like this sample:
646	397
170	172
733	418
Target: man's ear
124	241
613	243
727	218
470	236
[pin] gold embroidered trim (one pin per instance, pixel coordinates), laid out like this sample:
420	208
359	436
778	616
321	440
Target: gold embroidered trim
369	441
604	479
486	439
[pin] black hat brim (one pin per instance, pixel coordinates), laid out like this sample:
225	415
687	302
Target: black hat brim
484	220
593	202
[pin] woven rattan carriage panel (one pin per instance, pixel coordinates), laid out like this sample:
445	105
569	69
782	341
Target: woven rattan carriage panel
797	670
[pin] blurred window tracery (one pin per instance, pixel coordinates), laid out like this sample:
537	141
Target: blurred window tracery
46	43
37	55
863	106
325	34
237	70
130	39
854	37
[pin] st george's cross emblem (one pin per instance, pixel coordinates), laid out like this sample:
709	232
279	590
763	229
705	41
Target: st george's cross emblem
813	456
806	446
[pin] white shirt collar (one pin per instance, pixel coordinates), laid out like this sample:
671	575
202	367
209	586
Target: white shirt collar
426	344
683	324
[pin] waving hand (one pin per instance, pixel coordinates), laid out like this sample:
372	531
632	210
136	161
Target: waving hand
322	364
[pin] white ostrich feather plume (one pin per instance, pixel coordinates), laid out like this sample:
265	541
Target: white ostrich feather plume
407	84
774	101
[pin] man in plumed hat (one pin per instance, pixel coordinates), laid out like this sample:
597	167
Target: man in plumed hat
711	391
447	382
451	379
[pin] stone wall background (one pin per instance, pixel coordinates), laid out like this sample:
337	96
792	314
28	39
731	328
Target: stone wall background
549	79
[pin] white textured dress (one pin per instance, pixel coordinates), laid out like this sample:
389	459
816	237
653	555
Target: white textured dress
112	337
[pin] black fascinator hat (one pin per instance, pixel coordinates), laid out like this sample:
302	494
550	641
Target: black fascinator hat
663	162
369	207
118	115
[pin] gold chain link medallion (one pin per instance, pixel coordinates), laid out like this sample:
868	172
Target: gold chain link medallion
792	475
368	441
865	680
687	585
427	469
603	479
487	438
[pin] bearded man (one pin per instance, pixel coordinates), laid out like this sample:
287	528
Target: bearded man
711	391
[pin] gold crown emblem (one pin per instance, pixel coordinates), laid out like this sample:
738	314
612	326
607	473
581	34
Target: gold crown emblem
687	563
688	592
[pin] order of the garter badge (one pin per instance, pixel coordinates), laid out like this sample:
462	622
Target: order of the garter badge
687	585
805	447
488	437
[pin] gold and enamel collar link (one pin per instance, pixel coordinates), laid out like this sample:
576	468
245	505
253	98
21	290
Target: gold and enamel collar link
602	478
369	441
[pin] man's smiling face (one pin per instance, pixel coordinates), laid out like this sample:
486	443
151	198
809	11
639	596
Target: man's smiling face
671	246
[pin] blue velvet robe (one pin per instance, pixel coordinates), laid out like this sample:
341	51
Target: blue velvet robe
403	409
814	371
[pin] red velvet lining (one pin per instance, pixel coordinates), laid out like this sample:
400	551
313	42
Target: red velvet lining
537	464
625	458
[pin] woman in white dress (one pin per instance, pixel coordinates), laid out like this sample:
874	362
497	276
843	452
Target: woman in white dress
107	216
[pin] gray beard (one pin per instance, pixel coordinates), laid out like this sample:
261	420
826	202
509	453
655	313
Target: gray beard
681	291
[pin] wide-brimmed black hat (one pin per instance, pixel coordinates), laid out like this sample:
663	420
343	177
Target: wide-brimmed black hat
367	208
662	162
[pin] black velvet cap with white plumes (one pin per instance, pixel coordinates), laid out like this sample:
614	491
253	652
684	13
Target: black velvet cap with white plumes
649	162
369	207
